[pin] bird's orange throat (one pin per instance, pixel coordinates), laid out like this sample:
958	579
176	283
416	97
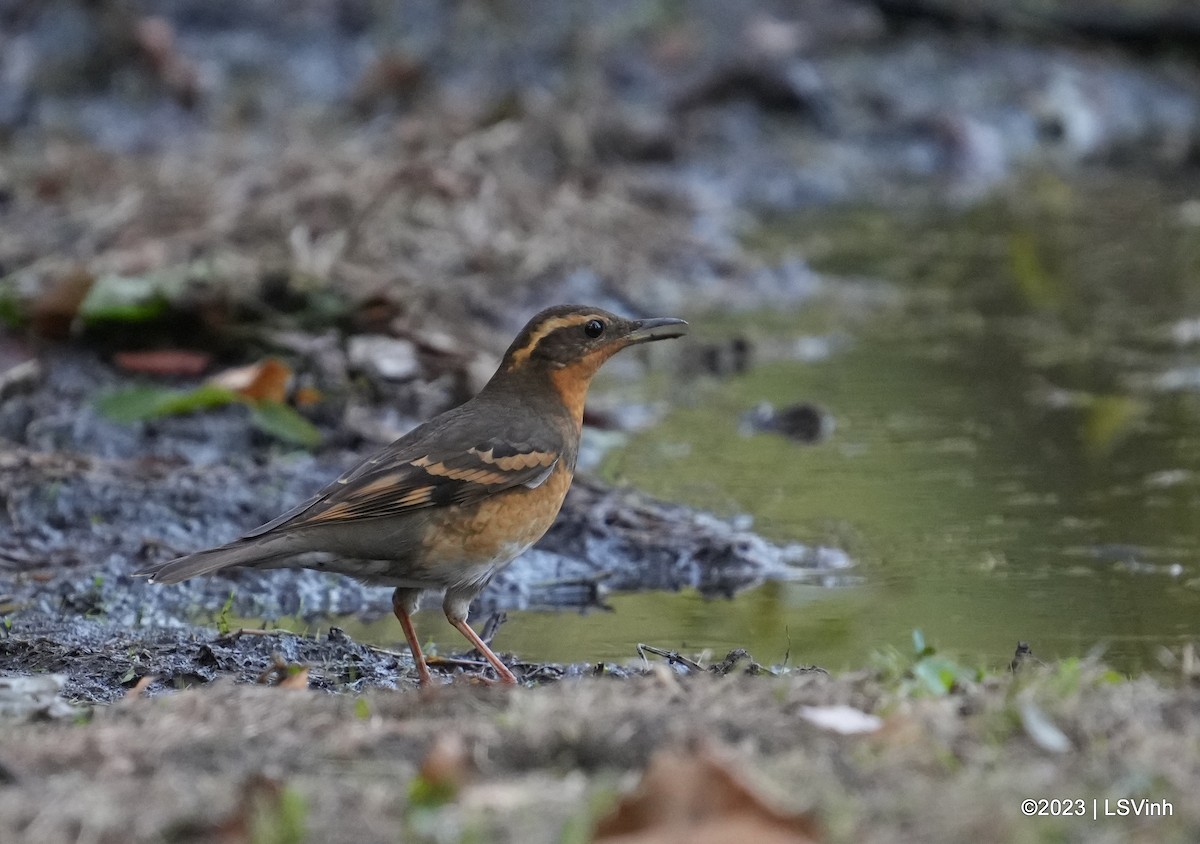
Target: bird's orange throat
571	382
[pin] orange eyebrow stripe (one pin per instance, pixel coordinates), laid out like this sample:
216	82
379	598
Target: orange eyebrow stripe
521	355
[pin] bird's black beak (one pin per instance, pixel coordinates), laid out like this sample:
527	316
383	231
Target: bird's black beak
662	328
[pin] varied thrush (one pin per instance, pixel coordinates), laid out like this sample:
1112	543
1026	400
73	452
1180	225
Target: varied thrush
452	502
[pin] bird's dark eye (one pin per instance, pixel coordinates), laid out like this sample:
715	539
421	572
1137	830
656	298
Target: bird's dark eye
593	328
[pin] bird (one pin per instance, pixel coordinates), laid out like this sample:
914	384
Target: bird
452	502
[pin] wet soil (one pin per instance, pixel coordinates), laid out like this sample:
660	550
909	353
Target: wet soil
79	525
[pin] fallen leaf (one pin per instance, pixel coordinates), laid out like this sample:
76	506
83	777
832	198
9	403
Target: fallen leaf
164	362
54	311
140	686
146	403
116	298
142	403
284	675
282	421
297	678
266	380
841	719
695	797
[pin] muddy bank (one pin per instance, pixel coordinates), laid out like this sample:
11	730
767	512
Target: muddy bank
548	763
76	526
102	661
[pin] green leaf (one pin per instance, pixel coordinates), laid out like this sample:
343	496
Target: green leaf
115	298
282	421
920	646
139	403
132	404
204	397
223	623
937	675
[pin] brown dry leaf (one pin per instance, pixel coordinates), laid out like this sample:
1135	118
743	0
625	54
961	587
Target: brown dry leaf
266	380
54	310
283	675
693	797
140	686
296	679
163	362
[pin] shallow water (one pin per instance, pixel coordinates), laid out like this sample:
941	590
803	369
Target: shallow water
1016	454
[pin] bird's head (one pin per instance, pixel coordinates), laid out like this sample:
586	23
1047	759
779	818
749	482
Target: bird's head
569	343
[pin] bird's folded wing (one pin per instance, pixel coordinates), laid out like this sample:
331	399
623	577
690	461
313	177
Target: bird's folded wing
396	482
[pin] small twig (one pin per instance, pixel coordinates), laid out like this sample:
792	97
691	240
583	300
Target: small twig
430	659
492	626
387	652
672	657
730	661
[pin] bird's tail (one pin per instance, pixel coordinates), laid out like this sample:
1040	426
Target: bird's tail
240	552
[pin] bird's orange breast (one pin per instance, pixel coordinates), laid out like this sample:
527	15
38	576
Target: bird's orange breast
487	535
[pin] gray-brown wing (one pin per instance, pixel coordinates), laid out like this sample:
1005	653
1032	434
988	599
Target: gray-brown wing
401	480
